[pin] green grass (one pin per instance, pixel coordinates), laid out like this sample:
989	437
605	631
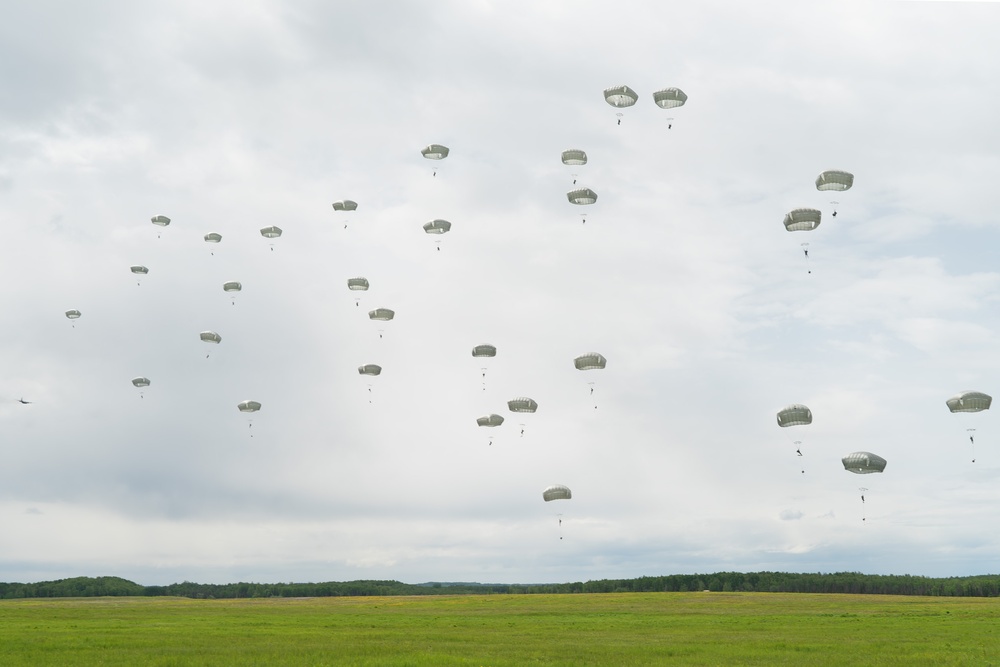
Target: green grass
586	629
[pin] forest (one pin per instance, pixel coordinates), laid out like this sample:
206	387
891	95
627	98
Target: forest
761	582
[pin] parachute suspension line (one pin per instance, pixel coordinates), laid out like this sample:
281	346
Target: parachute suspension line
863	490
798	451
670	123
805	252
592	394
972	442
834	204
522	429
560	525
619	114
483	369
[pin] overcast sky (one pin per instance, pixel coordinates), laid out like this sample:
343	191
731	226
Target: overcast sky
232	116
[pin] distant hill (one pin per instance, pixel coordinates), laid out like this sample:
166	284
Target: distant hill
773	582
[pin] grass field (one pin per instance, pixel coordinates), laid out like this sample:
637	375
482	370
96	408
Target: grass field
599	629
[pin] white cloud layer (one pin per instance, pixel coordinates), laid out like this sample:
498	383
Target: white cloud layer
235	116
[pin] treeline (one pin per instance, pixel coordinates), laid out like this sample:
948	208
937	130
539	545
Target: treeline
761	582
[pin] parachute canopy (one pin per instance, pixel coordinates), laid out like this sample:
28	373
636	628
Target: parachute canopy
345	205
802	220
140	382
484	350
557	492
435	152
437	227
969	401
249	406
213	237
357	284
582	196
72	314
138	269
795	415
522	404
210	337
574	157
837	181
232	286
160	220
271	232
590	361
863	463
381	314
668	98
490	420
620	96
370	369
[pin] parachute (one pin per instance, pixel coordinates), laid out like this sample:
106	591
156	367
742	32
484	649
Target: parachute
345	205
557	492
435	152
271	232
213	237
232	287
620	97
802	220
835	180
140	271
141	383
668	98
522	404
437	227
490	420
249	407
794	415
969	401
381	315
73	315
160	221
863	463
574	157
210	337
357	285
581	196
590	361
484	350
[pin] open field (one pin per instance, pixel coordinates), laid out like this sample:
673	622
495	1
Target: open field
586	629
